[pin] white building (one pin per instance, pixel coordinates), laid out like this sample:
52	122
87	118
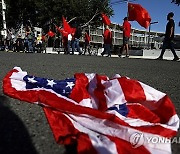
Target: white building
139	38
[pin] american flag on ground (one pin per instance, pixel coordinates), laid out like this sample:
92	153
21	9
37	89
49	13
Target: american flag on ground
98	114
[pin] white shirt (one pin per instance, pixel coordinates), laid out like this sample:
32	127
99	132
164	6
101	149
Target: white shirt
69	37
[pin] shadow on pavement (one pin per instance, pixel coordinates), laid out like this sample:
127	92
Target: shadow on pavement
14	137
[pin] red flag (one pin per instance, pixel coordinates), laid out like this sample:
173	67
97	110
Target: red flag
64	33
105	19
73	30
66	26
98	114
51	34
137	13
59	29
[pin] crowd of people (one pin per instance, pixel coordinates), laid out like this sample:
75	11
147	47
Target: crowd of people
28	43
70	41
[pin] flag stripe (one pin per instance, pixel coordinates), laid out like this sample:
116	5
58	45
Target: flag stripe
125	147
132	90
65	132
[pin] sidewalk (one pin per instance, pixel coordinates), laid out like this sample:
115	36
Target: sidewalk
152	54
146	54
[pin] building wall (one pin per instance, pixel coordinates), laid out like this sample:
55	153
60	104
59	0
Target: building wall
139	38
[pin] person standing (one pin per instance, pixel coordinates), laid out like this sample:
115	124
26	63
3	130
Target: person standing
169	36
107	41
19	44
126	35
76	39
87	39
30	39
69	43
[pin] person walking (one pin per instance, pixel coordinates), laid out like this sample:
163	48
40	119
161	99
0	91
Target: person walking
126	35
107	41
169	36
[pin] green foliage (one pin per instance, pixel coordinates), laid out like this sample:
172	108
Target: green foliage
43	12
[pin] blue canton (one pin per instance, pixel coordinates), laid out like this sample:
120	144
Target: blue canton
121	109
62	87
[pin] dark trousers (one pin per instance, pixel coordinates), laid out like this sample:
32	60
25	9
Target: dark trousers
107	49
168	44
87	47
75	43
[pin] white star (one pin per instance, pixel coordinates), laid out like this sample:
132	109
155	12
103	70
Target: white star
32	80
117	106
51	82
70	84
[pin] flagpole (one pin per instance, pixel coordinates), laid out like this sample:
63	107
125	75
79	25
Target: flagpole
127	7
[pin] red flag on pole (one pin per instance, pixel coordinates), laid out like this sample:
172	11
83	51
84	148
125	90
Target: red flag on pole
137	13
51	34
59	29
105	19
66	26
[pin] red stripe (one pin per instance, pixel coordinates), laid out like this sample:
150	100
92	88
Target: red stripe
133	91
135	112
67	107
124	147
99	93
65	132
165	109
80	90
29	96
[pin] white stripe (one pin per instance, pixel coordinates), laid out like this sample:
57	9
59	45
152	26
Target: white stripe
109	128
86	103
17	80
173	124
17	68
19	84
113	93
152	94
101	143
92	86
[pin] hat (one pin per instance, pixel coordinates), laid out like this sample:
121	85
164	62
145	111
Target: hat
125	18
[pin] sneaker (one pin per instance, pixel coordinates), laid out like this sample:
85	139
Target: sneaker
108	56
127	56
102	54
120	56
176	59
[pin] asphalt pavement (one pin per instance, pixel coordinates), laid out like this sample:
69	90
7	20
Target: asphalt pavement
23	126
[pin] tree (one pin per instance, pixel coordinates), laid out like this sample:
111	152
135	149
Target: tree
176	2
43	12
20	11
